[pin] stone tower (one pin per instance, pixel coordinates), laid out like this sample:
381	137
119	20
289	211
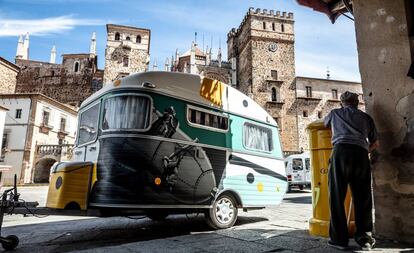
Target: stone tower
262	48
127	51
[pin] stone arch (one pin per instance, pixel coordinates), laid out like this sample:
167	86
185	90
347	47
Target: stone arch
217	76
42	169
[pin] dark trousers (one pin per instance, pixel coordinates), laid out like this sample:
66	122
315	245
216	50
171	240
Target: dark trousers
349	164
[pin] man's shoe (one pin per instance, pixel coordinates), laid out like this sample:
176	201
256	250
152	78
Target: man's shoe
337	246
366	242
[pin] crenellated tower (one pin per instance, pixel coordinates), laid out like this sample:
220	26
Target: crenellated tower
262	50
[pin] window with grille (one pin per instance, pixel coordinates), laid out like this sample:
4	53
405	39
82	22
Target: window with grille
273	74
308	91
62	124
125	61
203	118
46	117
334	94
274	94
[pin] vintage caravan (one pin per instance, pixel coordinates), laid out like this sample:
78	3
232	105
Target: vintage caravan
162	143
298	170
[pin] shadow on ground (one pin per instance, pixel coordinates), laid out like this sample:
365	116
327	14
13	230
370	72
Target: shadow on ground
101	232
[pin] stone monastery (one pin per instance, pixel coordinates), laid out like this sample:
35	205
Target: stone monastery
260	63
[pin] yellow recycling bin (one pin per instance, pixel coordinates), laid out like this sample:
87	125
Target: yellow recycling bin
320	151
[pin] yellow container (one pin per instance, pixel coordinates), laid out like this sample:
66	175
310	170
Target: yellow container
320	152
69	185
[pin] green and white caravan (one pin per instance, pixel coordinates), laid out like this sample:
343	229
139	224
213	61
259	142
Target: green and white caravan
167	143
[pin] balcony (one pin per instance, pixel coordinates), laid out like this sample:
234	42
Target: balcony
276	102
64	149
274	81
45	128
309	98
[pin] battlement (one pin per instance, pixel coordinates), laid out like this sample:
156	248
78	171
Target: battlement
270	13
260	13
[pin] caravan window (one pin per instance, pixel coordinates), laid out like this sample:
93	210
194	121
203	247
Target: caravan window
204	118
257	137
88	125
131	112
297	164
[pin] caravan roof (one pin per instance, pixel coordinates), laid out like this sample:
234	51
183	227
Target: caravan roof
190	87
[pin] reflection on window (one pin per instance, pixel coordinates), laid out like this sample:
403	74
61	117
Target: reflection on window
257	137
88	124
62	124
307	163
126	112
45	118
207	119
297	164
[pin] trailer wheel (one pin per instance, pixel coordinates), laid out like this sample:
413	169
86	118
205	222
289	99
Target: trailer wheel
223	214
10	242
157	215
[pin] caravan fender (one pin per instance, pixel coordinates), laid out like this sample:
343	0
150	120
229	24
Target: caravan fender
233	193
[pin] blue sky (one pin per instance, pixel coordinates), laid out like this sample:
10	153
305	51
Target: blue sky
68	24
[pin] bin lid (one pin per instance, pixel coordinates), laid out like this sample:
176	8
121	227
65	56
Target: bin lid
318	124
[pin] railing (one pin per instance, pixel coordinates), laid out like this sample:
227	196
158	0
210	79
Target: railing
63	149
288	153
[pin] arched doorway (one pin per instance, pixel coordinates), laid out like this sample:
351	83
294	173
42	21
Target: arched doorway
42	170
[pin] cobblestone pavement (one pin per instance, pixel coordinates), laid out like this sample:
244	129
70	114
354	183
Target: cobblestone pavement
276	229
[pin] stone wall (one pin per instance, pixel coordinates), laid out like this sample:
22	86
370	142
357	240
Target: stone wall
214	72
8	76
384	59
321	102
60	81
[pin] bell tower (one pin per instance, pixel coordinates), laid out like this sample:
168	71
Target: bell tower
263	50
127	51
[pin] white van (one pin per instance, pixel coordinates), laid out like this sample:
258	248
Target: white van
298	170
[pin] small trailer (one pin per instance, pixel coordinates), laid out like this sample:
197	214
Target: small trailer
160	143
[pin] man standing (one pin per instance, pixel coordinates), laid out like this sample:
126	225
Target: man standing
353	137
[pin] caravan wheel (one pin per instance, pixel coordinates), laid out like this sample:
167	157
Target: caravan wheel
223	214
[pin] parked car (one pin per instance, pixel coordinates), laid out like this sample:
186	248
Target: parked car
298	171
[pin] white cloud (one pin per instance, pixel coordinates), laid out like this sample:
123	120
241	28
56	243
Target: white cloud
42	27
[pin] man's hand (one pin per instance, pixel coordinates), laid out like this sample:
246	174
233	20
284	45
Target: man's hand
373	146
